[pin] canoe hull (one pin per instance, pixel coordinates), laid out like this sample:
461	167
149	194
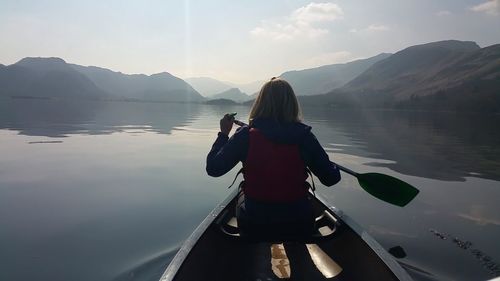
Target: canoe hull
215	252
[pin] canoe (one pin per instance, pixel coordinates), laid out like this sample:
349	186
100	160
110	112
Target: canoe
338	250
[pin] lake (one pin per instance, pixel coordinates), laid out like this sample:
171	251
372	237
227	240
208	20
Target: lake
109	190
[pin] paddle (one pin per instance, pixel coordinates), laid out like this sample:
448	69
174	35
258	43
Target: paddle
384	187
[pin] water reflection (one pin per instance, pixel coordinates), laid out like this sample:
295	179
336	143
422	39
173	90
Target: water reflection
107	200
52	118
127	184
444	146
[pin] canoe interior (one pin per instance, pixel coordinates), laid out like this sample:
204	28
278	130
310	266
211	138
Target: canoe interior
217	255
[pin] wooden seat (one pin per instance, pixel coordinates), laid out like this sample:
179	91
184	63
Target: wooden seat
324	226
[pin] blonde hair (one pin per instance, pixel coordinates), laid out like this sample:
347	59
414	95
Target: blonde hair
276	101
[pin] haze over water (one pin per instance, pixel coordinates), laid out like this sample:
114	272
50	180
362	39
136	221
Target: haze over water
108	191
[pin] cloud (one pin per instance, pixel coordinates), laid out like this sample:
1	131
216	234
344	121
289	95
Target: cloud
443	13
491	7
288	31
316	12
303	22
480	220
477	214
386	231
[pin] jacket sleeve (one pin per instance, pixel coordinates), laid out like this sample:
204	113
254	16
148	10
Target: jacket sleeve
318	162
226	153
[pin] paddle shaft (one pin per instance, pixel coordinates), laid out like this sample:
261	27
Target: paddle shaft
344	169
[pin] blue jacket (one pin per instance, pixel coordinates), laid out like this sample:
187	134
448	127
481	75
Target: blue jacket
226	153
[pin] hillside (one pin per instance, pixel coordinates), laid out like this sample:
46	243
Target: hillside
220	102
249	88
233	94
416	65
445	75
54	78
157	87
208	86
48	78
325	78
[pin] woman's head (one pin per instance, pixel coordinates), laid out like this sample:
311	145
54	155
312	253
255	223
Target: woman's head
276	101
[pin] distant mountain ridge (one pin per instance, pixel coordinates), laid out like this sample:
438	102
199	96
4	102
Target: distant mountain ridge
233	94
444	75
417	65
54	78
208	86
46	77
156	87
313	81
248	88
323	79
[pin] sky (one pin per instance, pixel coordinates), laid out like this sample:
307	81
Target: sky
237	41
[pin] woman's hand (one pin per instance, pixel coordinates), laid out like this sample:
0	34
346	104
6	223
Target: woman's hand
226	124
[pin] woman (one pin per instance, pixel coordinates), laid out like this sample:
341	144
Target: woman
275	149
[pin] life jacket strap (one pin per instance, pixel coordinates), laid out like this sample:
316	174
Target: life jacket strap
235	177
313	186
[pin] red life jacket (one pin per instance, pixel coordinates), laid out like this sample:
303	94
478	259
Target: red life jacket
273	172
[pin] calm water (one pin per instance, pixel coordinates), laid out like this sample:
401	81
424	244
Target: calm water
108	191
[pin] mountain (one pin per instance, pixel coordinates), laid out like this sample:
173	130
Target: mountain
208	86
325	78
54	78
445	75
254	95
46	78
157	87
221	102
233	94
416	65
250	88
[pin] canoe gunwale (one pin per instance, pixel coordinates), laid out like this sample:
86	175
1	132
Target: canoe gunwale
183	253
191	241
386	258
